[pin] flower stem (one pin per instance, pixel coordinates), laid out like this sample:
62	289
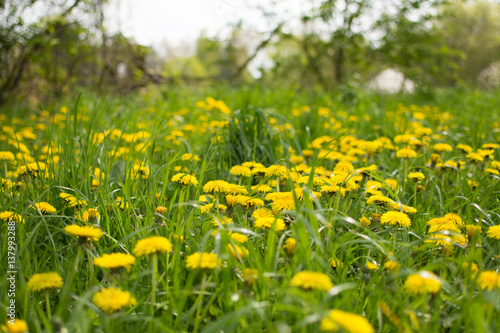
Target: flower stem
47	305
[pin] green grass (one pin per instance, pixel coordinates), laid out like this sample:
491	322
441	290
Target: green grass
269	127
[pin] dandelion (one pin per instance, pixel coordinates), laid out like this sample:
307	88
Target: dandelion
262	188
45	207
441	147
85	233
392	266
7	156
45	281
14	326
239	170
475	157
115	260
289	246
393	218
139	171
473	230
184	179
221	208
237	237
203	260
494	232
8	216
378	200
262	212
338	320
406	153
152	245
312	281
216	186
336	263
250	276
422	282
222	221
112	299
237	251
488	280
90	215
283	203
190	157
416	176
268	222
161	210
465	148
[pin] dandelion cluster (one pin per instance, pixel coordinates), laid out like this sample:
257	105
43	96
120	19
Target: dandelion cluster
329	218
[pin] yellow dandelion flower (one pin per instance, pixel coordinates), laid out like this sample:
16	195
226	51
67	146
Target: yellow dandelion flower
151	245
475	157
312	281
392	266
112	299
190	157
139	171
203	261
465	148
336	263
422	282
331	190
338	320
221	208
440	147
161	210
262	212
283	203
45	207
7	156
237	251
8	216
44	281
261	188
240	238
184	179
277	171
115	261
406	153
473	230
223	221
241	171
416	176
268	222
14	326
90	215
236	189
393	218
371	265
231	200
494	232
250	276
364	221
379	200
398	207
216	186
455	219
85	233
249	202
488	280
289	246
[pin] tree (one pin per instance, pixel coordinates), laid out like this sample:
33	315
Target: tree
472	28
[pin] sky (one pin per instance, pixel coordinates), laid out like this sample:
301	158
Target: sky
154	22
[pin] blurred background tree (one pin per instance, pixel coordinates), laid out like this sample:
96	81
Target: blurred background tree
49	48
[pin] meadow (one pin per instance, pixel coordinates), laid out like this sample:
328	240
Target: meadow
249	210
